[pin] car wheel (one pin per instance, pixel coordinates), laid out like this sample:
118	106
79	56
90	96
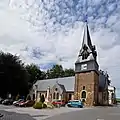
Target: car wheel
68	106
80	106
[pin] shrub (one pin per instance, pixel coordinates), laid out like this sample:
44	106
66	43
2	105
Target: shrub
42	99
37	105
44	105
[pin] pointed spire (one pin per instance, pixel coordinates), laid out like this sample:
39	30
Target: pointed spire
86	37
87	49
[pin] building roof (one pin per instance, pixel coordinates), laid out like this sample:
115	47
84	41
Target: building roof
87	51
62	87
86	38
67	82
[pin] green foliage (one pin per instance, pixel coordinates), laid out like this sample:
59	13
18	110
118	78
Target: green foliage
17	78
38	105
118	100
13	75
42	99
69	72
57	72
44	105
34	74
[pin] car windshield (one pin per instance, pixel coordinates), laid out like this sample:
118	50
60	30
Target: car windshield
74	101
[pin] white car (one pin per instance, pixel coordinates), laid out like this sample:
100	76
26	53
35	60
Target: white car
15	102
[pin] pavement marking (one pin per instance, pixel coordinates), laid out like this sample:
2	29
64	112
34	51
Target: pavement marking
100	119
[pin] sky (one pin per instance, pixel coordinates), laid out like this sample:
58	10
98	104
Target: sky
48	32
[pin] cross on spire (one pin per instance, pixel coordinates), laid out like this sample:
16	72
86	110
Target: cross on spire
86	7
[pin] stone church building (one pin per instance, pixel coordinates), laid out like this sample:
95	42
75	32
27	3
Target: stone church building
89	84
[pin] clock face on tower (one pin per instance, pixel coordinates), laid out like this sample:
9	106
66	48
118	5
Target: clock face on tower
84	67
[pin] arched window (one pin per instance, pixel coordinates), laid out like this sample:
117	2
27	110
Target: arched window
112	95
39	95
33	96
83	94
83	87
70	96
54	95
45	94
56	89
57	95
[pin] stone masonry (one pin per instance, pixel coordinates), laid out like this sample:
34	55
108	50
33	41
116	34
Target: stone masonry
90	81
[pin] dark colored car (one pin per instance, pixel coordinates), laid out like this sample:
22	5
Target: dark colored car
28	103
1	100
59	102
7	102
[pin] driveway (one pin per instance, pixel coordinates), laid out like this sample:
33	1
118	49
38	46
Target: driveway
40	114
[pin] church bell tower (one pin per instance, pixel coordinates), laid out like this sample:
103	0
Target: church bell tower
86	71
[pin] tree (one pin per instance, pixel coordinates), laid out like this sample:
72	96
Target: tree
13	75
69	72
55	72
34	74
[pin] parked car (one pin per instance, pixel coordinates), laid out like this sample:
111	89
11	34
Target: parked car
7	102
28	103
75	103
18	101
1	100
59	102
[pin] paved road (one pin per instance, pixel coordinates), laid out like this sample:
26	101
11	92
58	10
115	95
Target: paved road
13	113
2	107
112	113
34	113
14	116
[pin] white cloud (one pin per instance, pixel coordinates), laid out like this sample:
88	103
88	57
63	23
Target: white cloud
55	29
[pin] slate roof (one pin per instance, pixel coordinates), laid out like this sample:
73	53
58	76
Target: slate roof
86	38
103	80
66	82
62	87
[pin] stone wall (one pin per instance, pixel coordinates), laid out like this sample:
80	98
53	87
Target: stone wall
90	81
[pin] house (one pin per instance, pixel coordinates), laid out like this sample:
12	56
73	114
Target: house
89	83
111	95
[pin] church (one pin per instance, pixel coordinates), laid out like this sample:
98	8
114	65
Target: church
90	84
